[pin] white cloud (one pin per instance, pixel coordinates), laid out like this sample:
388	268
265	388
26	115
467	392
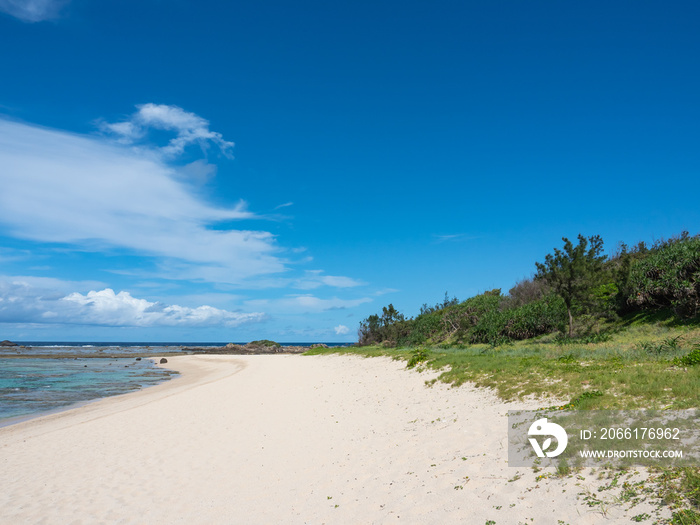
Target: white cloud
305	303
32	10
188	127
126	132
385	291
26	299
452	237
41	300
339	281
341	329
315	278
199	171
122	309
59	187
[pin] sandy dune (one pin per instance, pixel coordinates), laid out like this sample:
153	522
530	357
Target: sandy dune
282	439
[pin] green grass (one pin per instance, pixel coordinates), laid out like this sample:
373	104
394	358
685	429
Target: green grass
680	490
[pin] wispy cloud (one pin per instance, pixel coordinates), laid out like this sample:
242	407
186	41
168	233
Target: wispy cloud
285	205
12	255
59	187
199	171
189	128
314	279
385	291
452	237
32	10
44	301
305	303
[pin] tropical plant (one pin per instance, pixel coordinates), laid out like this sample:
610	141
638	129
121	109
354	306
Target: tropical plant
669	277
573	271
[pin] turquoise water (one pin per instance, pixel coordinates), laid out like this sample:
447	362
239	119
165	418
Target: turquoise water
32	386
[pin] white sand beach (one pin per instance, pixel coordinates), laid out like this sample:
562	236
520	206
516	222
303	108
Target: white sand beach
284	439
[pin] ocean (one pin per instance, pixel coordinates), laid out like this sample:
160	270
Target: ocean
71	373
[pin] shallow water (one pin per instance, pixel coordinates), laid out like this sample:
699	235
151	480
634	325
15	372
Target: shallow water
31	386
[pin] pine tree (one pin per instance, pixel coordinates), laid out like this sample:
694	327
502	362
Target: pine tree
573	271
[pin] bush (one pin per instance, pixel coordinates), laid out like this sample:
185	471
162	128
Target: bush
420	355
265	342
527	291
485	318
425	327
669	276
692	359
530	320
536	318
489	329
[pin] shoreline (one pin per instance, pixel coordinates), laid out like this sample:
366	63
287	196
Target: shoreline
283	438
128	398
13	420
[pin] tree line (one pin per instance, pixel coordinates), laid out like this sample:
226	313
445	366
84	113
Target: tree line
575	291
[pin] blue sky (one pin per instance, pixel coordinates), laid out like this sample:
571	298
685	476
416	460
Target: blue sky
228	171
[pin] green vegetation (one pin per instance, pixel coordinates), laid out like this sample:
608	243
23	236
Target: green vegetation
265	342
670	277
577	293
680	489
692	359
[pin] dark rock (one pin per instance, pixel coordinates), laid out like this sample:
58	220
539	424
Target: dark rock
294	349
138	359
163	360
319	345
7	343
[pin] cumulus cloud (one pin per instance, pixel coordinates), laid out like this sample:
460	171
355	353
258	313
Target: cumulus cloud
32	10
25	299
341	329
122	309
189	128
60	187
42	301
